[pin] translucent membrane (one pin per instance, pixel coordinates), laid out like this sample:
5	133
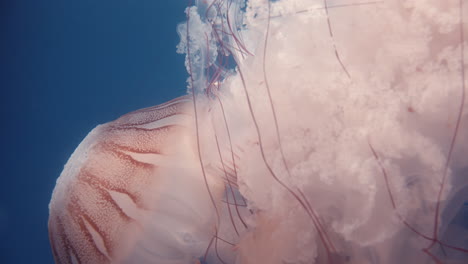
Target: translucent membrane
344	122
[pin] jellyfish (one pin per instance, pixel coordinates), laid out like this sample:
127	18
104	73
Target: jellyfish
318	131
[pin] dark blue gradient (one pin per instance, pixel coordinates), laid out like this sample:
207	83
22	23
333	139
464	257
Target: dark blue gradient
67	66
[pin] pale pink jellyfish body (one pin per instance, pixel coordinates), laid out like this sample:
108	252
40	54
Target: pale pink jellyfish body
116	195
339	136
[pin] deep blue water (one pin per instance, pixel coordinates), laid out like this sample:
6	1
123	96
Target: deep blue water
67	66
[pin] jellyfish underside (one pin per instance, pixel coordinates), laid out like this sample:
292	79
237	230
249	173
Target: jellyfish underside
338	137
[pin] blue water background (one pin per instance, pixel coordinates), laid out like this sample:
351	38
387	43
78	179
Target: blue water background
67	66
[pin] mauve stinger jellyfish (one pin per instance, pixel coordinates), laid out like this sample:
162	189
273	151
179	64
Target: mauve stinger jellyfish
313	131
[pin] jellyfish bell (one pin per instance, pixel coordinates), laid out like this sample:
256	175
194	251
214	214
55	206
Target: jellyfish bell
313	132
131	192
